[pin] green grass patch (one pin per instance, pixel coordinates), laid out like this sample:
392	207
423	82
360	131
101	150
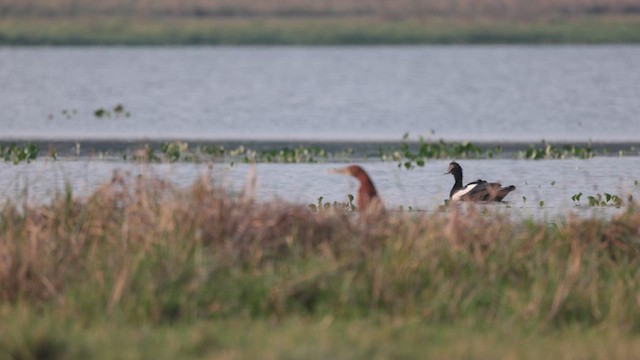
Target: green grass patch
27	336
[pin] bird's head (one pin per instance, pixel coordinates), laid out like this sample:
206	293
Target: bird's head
453	168
351	170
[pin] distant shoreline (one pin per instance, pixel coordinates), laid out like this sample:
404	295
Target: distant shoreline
86	30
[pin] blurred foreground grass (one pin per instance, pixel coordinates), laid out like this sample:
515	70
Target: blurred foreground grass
34	337
90	30
141	269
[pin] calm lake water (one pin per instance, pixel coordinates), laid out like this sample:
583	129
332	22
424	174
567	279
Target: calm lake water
490	93
551	181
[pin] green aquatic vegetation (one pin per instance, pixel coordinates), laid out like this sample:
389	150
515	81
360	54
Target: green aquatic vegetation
600	200
146	154
576	198
117	111
605	199
301	154
549	151
407	154
53	153
409	158
215	152
68	114
496	151
238	152
181	151
101	113
19	153
580	152
174	151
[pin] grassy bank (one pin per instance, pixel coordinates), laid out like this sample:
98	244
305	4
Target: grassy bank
35	336
141	267
315	31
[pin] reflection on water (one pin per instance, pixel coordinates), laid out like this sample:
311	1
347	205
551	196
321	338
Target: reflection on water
492	93
551	181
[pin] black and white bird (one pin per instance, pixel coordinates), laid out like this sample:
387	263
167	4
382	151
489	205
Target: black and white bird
479	190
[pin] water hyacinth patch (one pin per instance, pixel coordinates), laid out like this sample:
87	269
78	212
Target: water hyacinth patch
576	198
175	151
601	200
549	151
408	155
117	112
408	159
605	199
19	153
300	154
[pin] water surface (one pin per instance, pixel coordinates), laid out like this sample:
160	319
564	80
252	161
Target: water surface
489	93
425	189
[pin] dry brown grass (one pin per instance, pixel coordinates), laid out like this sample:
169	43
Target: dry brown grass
141	249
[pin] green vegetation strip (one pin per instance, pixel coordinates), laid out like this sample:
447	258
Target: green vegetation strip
86	30
406	154
201	272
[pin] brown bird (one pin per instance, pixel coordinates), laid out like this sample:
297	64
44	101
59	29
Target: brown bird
367	195
479	190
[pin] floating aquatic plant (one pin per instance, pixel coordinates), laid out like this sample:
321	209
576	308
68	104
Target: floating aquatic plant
69	113
300	154
181	151
549	151
407	155
145	154
174	151
17	154
409	159
116	111
605	200
599	200
53	153
576	198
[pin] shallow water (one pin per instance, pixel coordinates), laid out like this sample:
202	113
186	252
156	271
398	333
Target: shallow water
425	189
489	93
